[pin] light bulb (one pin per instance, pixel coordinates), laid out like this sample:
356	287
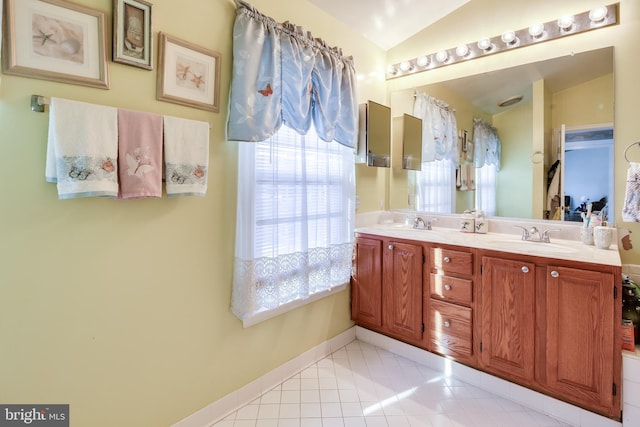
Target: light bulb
423	61
509	37
392	70
442	56
565	22
484	43
462	50
536	30
405	66
598	14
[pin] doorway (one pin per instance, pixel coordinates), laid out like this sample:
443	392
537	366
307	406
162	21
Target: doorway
587	172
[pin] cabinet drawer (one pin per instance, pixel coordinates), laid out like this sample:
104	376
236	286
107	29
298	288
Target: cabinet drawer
451	288
451	261
450	329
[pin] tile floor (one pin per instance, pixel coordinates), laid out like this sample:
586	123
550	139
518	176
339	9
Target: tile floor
365	386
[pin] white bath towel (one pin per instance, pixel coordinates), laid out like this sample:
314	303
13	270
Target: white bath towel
631	209
186	156
82	149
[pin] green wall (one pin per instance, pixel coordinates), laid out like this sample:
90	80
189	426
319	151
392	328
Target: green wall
121	308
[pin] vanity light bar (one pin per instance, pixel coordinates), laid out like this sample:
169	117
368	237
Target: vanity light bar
566	25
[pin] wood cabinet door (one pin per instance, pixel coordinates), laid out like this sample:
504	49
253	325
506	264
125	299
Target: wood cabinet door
507	313
580	335
366	283
402	290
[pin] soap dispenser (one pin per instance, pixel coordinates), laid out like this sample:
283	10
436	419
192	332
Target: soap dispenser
482	225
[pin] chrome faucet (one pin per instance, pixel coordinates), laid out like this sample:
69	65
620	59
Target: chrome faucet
421	224
528	234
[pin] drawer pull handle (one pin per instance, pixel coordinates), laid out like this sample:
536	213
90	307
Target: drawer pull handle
525	269
446	324
390	247
447	287
447	259
555	274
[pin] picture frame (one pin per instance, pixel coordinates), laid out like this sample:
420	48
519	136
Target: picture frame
55	40
188	74
133	33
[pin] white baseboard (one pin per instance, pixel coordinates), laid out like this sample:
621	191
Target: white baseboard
555	408
221	408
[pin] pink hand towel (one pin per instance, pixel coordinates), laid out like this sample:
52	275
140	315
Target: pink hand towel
139	154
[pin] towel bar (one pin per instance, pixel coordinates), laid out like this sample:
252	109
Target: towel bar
38	102
627	149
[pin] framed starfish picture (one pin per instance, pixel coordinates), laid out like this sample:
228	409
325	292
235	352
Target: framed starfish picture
55	40
188	74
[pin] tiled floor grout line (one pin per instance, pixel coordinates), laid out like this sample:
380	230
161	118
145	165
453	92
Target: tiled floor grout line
360	385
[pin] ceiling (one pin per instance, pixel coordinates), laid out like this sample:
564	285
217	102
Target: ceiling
388	22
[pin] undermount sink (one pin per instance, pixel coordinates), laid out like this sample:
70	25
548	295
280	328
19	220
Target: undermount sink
524	245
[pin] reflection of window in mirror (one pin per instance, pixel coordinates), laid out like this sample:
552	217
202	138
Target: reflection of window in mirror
575	90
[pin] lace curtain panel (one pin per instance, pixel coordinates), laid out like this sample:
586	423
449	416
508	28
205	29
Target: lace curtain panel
282	75
486	144
295	221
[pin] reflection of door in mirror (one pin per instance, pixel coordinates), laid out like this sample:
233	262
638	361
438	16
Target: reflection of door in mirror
586	175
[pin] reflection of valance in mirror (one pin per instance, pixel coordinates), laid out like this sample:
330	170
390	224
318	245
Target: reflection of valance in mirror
439	128
486	144
282	75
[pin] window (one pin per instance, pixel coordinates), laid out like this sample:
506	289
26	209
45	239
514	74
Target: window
295	221
486	189
435	187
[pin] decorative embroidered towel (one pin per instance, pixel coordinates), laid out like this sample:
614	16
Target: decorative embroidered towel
82	149
186	156
139	154
631	209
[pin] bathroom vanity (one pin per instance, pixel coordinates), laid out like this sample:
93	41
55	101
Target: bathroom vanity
542	315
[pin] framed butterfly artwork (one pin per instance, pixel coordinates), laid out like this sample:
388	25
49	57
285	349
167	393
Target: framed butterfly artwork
188	74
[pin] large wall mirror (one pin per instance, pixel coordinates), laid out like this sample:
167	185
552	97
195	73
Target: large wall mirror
570	95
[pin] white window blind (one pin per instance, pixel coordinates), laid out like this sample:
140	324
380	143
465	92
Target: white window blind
295	221
486	189
435	187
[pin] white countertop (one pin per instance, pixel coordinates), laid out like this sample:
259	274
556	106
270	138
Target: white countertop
565	249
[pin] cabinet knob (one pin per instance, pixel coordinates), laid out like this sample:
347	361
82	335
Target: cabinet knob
390	247
446	324
525	269
446	259
555	274
447	287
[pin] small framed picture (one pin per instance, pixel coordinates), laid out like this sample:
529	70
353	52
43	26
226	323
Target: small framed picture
133	33
55	40
188	74
463	140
